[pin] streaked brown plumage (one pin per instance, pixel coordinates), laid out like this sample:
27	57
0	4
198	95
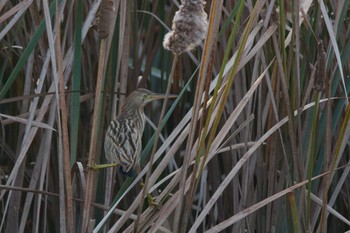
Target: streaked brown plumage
123	137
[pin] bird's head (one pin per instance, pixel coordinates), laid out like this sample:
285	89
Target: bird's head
140	97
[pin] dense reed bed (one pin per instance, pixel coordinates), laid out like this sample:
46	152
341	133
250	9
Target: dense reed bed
256	141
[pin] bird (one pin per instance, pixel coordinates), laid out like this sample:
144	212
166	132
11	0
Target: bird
123	139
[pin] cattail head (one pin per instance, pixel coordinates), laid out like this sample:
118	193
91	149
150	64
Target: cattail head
104	17
189	27
320	79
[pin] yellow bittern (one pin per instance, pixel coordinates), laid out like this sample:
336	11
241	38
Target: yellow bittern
123	137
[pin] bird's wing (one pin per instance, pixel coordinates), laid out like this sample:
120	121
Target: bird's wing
122	143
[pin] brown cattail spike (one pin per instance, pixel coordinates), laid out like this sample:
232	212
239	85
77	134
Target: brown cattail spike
320	79
189	27
104	17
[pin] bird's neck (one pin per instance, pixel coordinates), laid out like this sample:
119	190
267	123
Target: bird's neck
136	115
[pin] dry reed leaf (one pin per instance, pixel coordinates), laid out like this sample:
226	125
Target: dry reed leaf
25	121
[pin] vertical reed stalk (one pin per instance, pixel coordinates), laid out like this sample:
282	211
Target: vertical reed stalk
64	125
156	139
96	124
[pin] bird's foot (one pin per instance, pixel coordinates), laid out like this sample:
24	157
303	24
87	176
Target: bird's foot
151	201
101	166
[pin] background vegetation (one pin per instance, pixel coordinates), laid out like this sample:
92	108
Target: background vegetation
265	150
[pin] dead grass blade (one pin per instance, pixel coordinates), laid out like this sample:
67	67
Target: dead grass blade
24	121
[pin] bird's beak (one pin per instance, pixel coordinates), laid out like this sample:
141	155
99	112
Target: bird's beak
156	96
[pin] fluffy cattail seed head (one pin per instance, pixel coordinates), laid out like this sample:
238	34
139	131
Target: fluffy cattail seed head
189	27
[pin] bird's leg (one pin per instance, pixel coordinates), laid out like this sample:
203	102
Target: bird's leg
150	200
101	166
